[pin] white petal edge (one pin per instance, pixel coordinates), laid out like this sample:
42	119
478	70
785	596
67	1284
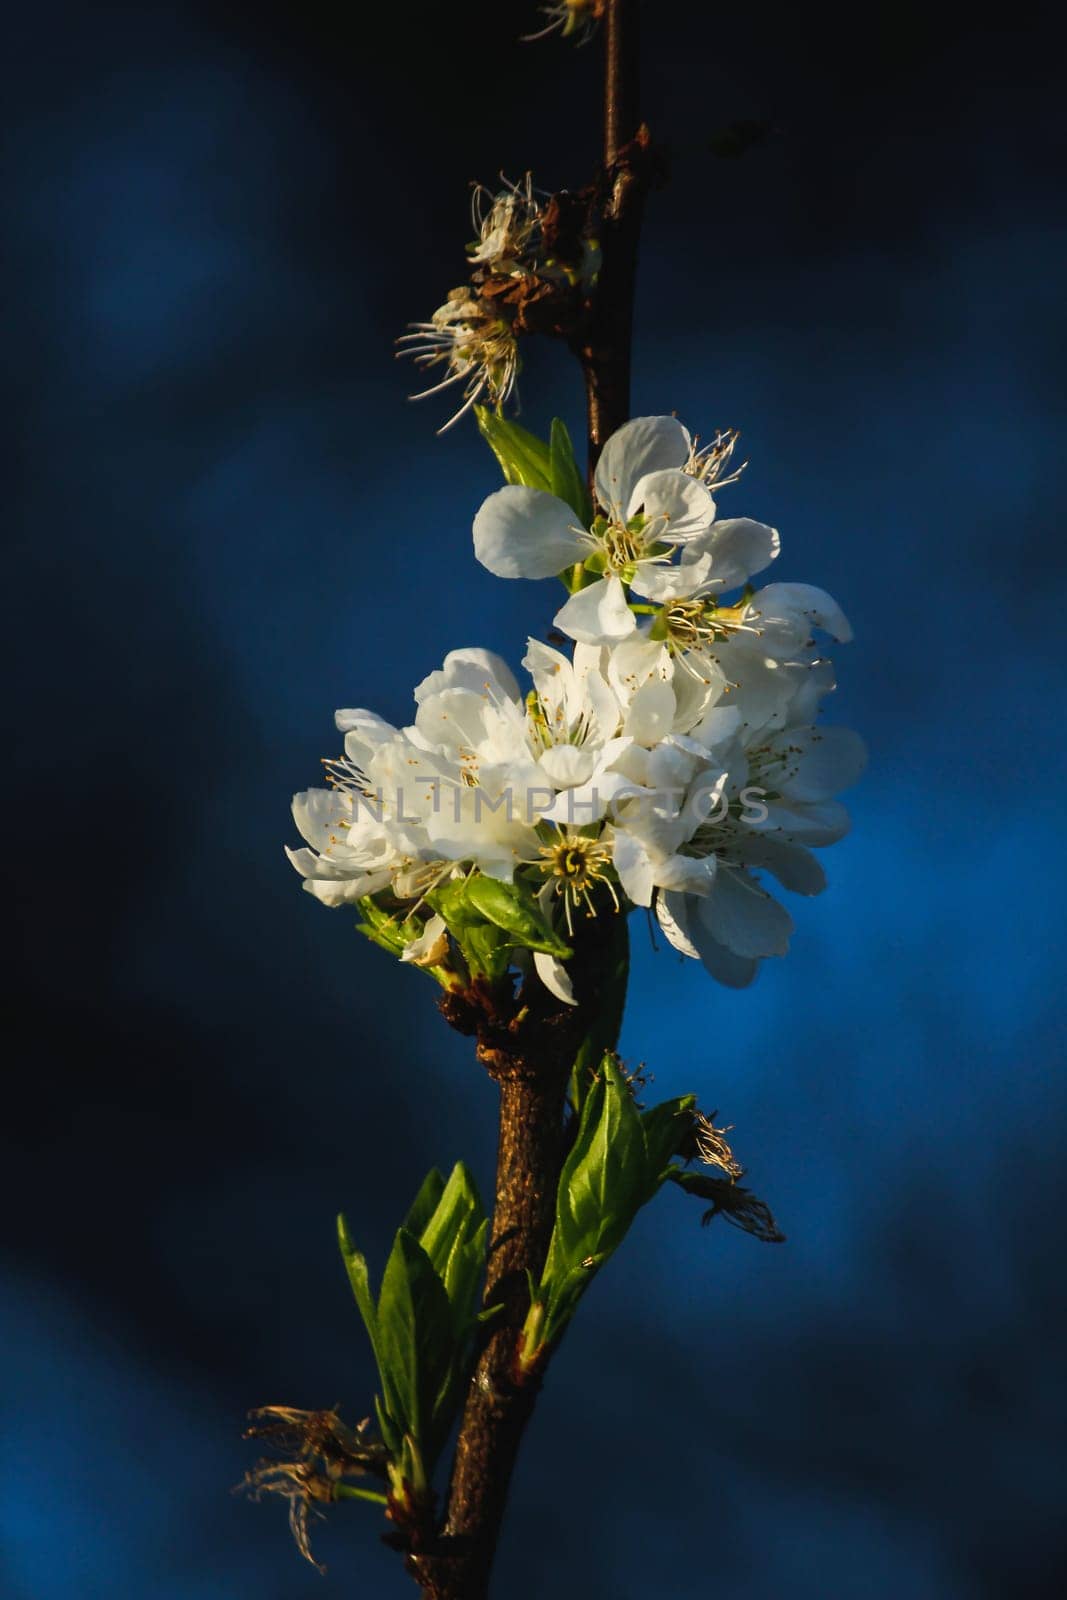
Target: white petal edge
527	533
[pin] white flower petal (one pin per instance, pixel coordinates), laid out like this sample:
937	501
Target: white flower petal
802	607
740	914
369	724
431	946
587	802
795	868
656	580
687	874
304	860
816	763
566	765
677	506
672	916
740	547
812	825
634	660
726	966
341	891
651	714
555	977
598	614
646	444
717	726
526	533
634	867
480	670
319	815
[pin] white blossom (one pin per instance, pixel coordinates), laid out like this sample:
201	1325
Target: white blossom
650	509
672	759
780	787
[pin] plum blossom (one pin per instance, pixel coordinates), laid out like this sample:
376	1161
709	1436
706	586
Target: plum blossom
650	509
779	787
671	759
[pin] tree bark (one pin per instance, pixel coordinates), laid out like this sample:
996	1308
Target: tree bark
604	349
529	1158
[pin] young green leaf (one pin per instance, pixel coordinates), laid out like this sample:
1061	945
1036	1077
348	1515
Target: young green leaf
425	1205
523	458
359	1278
566	480
665	1126
618	1161
415	1334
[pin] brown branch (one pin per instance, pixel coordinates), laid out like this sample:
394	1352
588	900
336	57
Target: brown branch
531	1062
604	347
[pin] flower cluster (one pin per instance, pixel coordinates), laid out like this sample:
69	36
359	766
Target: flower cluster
670	760
531	260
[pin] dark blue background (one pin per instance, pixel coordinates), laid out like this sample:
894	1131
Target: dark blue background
230	522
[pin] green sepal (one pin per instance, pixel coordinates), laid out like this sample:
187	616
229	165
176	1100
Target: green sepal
487	951
514	909
385	929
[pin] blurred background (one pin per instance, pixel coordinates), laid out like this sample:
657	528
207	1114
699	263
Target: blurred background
229	520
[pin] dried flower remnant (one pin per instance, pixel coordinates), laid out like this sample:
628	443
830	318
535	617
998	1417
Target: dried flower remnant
475	345
571	19
318	1452
508	225
533	260
712	1146
742	1209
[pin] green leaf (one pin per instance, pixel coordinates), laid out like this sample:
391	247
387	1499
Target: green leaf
391	1434
359	1278
348	1491
618	1161
457	1213
414	1334
421	1330
665	1126
565	478
511	907
424	1205
603	1180
523	458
